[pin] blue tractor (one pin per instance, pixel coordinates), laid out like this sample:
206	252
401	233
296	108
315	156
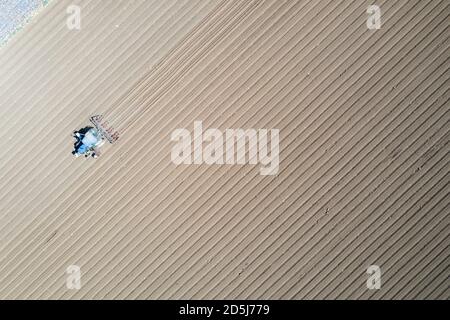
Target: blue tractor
90	139
88	142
